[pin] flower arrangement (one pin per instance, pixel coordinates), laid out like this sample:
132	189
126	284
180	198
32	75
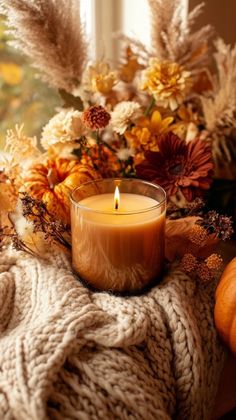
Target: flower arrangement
161	115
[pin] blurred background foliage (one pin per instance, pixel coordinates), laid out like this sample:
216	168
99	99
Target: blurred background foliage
23	97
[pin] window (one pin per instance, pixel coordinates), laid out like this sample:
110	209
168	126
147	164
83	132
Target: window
104	17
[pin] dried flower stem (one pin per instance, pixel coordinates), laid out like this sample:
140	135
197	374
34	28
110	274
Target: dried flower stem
43	221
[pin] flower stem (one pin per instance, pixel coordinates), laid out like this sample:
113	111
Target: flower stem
149	107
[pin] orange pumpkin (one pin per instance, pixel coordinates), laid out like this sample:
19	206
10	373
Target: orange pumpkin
225	307
52	182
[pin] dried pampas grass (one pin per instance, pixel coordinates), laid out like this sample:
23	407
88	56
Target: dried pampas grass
172	36
219	108
50	33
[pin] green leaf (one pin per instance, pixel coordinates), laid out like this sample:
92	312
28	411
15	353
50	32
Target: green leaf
71	101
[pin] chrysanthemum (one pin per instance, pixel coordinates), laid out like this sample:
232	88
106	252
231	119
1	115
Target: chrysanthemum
95	117
123	114
66	126
167	82
178	166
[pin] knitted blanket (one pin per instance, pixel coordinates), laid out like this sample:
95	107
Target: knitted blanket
68	353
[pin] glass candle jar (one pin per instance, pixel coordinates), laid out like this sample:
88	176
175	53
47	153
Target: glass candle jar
118	239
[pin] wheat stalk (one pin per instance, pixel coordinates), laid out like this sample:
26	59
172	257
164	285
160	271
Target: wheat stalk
50	33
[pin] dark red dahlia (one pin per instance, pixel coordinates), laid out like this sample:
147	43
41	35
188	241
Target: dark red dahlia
179	166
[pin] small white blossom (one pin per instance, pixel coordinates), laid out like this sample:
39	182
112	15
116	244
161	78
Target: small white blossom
66	126
123	114
125	153
24	228
25	231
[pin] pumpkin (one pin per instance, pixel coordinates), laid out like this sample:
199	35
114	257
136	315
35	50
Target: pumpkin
225	306
52	181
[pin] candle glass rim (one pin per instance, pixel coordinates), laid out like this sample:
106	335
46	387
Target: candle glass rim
120	213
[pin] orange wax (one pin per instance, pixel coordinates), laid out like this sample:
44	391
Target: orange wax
120	250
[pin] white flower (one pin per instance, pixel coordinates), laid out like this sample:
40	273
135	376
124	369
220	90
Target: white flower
24	228
66	126
192	132
124	113
125	153
25	231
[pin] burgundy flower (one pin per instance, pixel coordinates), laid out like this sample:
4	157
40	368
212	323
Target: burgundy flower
179	166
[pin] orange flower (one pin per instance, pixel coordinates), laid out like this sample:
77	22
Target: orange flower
187	127
143	135
101	158
99	78
128	70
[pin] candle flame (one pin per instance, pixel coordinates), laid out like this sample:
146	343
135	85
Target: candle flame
116	198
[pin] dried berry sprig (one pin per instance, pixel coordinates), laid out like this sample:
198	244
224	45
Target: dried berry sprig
214	223
36	211
204	269
195	208
9	235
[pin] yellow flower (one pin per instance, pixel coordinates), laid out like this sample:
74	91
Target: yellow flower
11	73
99	78
128	70
187	126
167	82
143	136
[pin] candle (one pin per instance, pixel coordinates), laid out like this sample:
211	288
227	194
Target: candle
118	239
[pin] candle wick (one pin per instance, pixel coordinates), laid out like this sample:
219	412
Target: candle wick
116	205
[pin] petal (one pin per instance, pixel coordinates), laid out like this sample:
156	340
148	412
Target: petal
156	117
165	124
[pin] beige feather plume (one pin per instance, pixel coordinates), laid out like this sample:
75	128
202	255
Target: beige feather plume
219	107
173	37
50	33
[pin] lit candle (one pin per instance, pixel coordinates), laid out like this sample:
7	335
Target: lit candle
118	239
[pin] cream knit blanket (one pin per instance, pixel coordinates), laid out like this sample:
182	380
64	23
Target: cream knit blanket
67	353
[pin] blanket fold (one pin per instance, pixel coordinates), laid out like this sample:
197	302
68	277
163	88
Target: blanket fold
68	353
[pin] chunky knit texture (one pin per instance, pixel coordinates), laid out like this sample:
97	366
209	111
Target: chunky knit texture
68	353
